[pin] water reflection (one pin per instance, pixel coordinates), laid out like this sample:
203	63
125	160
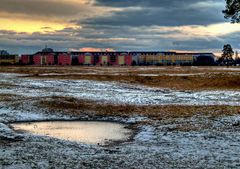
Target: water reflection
86	132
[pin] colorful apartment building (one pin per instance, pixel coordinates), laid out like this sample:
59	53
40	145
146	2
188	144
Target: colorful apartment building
121	58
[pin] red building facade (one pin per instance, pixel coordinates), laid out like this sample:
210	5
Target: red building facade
40	59
64	59
25	59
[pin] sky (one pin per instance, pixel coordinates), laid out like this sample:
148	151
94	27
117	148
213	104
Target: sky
27	26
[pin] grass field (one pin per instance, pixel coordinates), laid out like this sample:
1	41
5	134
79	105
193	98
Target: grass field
181	116
180	78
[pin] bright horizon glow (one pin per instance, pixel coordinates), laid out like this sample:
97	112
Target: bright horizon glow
219	29
30	26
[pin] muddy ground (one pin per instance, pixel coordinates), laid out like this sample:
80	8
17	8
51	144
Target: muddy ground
178	122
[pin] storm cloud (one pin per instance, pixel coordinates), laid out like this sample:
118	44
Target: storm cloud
162	12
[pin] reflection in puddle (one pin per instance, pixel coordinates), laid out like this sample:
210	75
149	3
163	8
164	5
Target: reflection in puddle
80	131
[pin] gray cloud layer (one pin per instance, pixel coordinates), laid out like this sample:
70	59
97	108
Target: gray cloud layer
39	7
162	12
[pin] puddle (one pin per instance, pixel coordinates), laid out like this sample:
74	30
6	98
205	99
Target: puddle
79	131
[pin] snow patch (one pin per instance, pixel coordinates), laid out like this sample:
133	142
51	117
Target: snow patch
117	93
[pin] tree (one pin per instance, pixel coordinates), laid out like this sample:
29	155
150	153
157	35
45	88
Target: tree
237	59
232	10
227	56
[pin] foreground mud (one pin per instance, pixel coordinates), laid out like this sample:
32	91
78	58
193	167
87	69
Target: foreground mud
181	133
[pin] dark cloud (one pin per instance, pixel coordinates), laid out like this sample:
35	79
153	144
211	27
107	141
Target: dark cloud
197	44
161	17
146	3
162	13
40	7
232	39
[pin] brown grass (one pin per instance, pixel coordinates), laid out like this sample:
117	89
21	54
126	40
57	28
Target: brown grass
212	82
109	70
212	78
78	107
5	84
8	97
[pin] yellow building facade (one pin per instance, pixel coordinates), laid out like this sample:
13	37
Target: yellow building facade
165	59
9	59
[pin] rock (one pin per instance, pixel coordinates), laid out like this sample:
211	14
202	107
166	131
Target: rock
236	124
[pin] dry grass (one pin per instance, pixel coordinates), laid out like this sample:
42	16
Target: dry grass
6	84
9	97
211	78
212	82
78	107
108	70
168	114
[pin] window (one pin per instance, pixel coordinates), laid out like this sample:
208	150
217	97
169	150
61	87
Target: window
113	58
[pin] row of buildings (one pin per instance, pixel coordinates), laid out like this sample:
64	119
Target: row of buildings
121	58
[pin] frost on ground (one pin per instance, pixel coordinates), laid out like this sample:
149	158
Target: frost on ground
7	133
112	92
192	142
160	145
